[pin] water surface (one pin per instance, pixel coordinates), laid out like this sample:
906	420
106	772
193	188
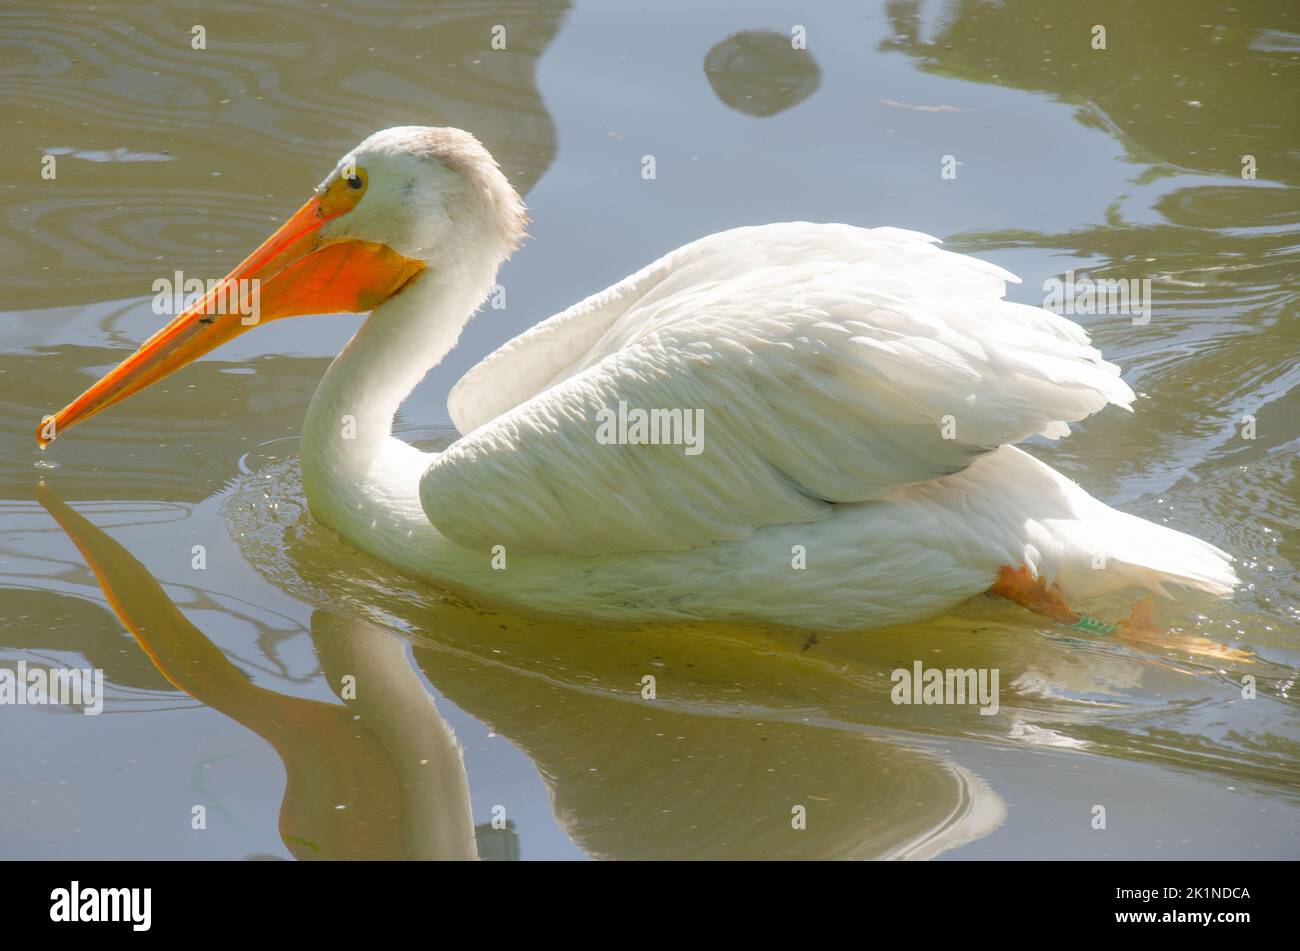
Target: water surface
226	685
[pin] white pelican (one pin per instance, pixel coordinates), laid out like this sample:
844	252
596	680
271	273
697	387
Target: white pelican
859	391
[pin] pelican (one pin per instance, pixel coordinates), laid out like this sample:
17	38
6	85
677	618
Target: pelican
853	396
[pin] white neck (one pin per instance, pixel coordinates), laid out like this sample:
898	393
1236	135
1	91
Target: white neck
354	471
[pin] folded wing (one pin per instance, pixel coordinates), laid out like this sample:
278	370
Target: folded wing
781	370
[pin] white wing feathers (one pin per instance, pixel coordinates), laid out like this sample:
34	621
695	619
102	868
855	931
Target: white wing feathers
528	364
828	364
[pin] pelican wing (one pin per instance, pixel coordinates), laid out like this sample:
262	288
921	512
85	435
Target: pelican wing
756	377
549	351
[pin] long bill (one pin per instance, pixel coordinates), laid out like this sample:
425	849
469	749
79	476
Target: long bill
296	271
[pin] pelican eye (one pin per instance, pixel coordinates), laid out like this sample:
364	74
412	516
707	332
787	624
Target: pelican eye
343	191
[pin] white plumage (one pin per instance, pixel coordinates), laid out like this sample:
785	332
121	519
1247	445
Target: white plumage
825	359
831	364
859	391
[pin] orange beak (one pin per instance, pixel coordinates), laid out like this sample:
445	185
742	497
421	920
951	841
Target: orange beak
294	272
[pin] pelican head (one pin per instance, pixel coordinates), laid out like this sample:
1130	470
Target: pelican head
430	194
406	201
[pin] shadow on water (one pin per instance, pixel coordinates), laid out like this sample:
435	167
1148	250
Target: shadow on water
380	774
761	73
1060	689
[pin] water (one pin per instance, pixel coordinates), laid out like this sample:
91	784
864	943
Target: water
232	692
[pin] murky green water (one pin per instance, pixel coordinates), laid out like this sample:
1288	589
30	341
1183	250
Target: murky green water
227	685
